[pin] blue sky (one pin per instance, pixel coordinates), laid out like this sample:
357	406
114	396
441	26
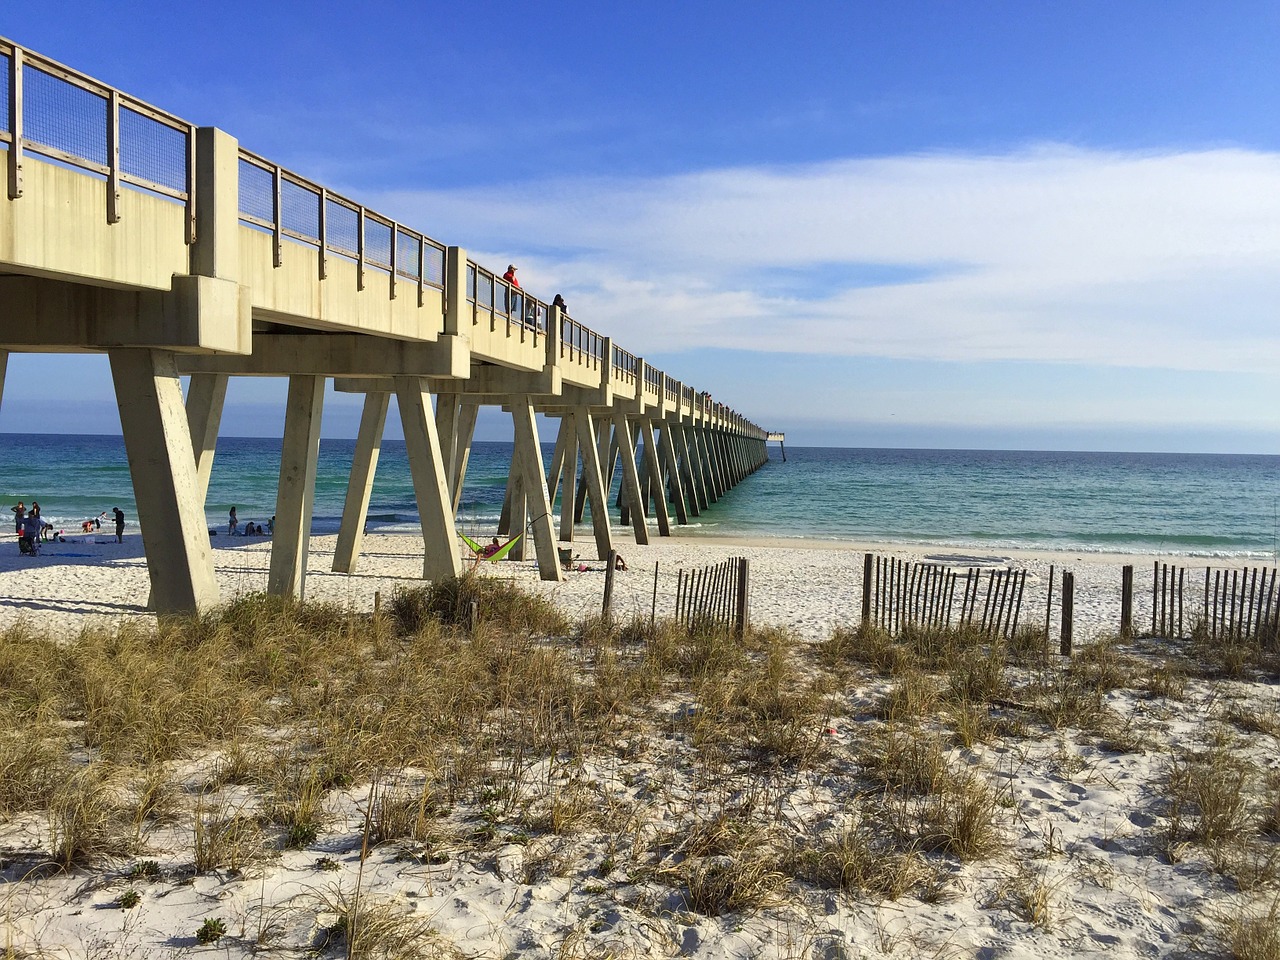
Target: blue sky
1050	225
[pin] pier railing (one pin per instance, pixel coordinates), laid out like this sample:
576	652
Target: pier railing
66	117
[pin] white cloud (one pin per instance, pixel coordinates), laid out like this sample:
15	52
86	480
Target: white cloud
1049	253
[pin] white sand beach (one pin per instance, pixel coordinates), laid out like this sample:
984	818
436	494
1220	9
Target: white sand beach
809	586
1083	866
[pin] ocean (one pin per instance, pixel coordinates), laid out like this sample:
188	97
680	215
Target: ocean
1204	505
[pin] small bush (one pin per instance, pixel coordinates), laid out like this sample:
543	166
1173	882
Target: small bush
498	603
211	930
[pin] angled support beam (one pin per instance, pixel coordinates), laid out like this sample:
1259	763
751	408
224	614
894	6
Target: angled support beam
569	470
557	457
4	365
593	482
528	457
364	465
299	455
467	413
163	469
206	396
655	477
630	490
697	498
674	482
430	486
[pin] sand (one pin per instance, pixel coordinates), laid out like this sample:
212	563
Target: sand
1077	876
809	586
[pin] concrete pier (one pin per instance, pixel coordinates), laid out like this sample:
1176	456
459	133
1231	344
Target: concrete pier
204	271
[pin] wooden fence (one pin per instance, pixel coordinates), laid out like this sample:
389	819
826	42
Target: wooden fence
896	593
1240	604
716	594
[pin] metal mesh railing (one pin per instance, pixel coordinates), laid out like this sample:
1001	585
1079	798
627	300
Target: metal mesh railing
377	243
153	151
66	119
6	64
342	228
299	211
433	271
408	251
257	194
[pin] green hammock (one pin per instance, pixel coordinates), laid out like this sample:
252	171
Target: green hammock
490	552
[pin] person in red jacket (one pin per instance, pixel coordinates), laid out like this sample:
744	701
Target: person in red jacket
510	276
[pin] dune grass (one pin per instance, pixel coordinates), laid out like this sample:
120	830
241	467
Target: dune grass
469	719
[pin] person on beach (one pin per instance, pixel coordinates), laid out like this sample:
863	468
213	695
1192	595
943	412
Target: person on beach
20	512
619	563
119	515
30	535
271	525
232	523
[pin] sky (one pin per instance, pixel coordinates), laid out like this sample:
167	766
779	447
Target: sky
925	224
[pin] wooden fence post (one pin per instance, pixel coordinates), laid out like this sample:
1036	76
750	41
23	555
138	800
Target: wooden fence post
607	611
1126	601
866	588
1068	609
740	617
1048	605
653	609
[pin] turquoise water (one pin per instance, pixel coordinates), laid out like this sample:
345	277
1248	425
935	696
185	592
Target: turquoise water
1166	504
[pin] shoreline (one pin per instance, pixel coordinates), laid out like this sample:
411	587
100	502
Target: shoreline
809	586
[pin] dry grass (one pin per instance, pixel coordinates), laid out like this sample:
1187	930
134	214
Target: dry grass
367	927
682	763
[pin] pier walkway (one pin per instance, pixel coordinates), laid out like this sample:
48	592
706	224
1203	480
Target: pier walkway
129	231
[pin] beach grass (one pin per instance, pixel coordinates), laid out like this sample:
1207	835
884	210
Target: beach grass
682	771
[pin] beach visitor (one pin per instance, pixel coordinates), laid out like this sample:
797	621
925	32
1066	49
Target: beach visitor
619	563
20	511
510	276
119	515
271	524
492	548
232	523
30	534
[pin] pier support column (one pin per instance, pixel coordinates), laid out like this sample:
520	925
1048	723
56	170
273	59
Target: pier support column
430	487
654	463
206	396
706	465
555	474
593	481
674	482
528	461
364	464
4	365
629	492
162	467
688	459
296	492
467	413
569	461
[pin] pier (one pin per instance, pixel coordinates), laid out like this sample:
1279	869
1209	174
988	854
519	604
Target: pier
128	231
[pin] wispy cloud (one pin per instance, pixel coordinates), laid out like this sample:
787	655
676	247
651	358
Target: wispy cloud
1048	253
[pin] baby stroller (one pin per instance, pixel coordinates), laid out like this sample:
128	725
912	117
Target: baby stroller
29	538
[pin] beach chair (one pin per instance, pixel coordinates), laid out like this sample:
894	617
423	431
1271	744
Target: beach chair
567	557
